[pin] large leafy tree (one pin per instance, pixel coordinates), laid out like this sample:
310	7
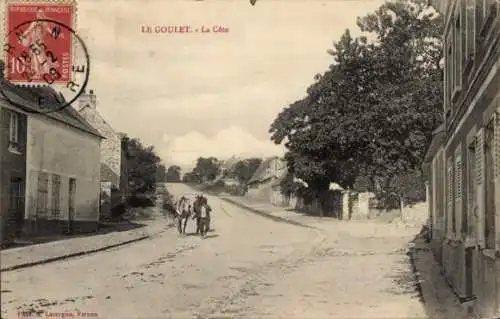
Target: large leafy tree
161	173
174	174
207	168
191	177
373	112
142	165
244	169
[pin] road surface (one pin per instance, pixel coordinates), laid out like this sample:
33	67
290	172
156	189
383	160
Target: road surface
249	267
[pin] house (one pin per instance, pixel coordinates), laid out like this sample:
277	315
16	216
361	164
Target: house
264	184
464	163
433	168
13	124
114	182
225	169
58	169
228	165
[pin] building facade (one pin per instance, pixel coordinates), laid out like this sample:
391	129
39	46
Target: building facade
50	173
113	170
13	122
465	160
263	184
63	177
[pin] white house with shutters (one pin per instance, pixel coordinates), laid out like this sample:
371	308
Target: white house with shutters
463	161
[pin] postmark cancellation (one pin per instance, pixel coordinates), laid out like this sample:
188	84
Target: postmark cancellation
43	48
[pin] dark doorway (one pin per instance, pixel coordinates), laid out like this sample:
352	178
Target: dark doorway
16	208
71	204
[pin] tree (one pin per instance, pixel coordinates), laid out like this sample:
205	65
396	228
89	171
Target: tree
174	174
373	112
191	177
405	188
207	168
161	174
244	169
142	165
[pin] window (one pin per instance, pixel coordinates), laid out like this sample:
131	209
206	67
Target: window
479	14
441	182
489	186
42	194
489	12
470	33
457	52
56	195
469	218
449	73
14	130
71	197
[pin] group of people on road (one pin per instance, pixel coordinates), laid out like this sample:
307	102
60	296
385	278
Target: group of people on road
197	209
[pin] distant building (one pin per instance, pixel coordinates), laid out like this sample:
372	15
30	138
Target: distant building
231	184
228	165
463	161
114	184
264	184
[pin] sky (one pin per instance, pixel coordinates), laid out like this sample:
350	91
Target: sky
208	94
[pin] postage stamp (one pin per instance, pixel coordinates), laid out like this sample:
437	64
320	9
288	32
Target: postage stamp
40	50
44	49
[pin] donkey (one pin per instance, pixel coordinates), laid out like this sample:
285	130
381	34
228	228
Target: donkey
184	211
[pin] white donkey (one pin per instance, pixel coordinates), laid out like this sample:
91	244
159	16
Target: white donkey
184	209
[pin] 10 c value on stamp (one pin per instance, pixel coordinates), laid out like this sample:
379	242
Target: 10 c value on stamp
43	49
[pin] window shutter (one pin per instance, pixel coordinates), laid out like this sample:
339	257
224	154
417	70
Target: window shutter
496	145
458	191
496	150
470	29
448	72
11	127
471	189
449	202
459	22
434	188
480	187
442	192
463	32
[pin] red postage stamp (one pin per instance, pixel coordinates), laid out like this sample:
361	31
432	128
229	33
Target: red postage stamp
38	44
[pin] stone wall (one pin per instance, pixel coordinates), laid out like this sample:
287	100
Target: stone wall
111	146
113	162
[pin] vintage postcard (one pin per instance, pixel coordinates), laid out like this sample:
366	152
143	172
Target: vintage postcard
250	159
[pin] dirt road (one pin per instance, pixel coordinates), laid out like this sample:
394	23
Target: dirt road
249	267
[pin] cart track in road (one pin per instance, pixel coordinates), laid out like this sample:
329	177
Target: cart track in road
222	306
249	280
224	210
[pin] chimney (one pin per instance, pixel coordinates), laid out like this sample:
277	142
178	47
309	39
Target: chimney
87	99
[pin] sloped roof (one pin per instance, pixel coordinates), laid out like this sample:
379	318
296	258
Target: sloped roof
260	174
96	112
439	5
230	163
27	97
437	141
